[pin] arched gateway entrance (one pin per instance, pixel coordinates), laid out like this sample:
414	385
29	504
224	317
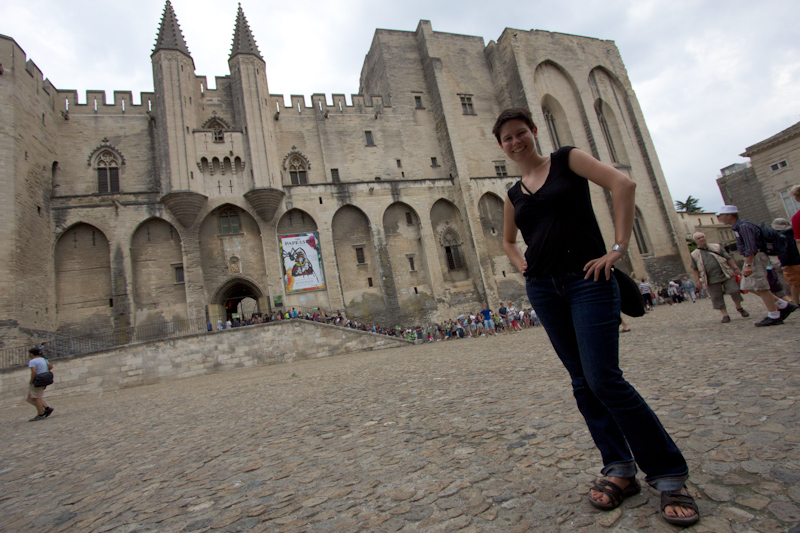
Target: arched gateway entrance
238	296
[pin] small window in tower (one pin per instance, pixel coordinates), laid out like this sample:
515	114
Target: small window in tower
369	282
335	175
369	139
179	274
466	104
418	102
399	164
360	256
411	264
409	219
500	169
434	162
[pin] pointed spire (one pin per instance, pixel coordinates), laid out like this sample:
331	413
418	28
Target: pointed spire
170	36
243	40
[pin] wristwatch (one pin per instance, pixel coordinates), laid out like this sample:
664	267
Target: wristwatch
618	248
746	265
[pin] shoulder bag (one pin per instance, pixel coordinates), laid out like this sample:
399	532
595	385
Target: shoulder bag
43	379
631	301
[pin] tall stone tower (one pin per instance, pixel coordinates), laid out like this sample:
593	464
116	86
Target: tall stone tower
175	119
252	113
250	103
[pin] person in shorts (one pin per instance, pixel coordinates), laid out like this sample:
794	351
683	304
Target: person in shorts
715	269
488	322
38	365
751	245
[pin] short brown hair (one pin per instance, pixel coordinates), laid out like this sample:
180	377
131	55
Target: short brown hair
515	113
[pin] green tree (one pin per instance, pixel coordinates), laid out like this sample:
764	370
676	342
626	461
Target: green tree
689	206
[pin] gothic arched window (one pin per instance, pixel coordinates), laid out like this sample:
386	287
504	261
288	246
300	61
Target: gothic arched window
640	233
606	131
297	171
551	127
217	127
107	166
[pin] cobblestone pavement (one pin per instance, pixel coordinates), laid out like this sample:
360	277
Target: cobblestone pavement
473	435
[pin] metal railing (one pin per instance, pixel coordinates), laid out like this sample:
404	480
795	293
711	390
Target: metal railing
63	345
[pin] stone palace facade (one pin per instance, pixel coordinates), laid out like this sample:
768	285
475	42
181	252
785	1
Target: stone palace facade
390	207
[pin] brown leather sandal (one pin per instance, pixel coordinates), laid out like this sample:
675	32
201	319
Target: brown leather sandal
615	494
676	497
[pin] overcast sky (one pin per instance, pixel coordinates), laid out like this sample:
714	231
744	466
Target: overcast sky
712	77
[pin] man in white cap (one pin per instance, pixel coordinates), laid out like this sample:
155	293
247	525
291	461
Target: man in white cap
751	245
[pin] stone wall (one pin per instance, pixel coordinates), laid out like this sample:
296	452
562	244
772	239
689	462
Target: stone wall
207	353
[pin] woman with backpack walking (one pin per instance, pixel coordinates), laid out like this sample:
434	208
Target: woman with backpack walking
39	366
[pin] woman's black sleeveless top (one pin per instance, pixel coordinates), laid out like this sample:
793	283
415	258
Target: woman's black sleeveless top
557	222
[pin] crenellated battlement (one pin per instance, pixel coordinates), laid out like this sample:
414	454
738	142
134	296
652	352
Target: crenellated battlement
13	57
361	104
220	82
96	104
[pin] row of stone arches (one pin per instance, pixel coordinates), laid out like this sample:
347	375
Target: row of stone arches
87	289
233	264
393	269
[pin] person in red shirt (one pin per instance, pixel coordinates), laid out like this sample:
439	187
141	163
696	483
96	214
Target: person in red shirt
792	273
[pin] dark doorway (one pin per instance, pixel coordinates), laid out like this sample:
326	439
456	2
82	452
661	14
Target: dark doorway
239	297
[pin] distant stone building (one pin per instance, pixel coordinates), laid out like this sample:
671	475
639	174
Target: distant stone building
391	207
739	186
709	224
761	189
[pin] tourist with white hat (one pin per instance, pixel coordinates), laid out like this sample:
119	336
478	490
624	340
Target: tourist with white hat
751	245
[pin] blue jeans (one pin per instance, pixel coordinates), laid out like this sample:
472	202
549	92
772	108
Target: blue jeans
582	319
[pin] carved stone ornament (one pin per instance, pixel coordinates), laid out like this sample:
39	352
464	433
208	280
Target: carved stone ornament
105	146
297	153
234	267
449	237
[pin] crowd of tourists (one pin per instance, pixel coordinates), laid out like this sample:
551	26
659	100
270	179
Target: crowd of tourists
506	319
472	325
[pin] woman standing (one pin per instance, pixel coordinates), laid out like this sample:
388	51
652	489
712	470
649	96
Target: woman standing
570	285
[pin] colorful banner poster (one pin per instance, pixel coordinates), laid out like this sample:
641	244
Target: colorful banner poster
302	262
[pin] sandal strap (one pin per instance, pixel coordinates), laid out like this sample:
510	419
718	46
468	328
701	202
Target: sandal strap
675	497
612	490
